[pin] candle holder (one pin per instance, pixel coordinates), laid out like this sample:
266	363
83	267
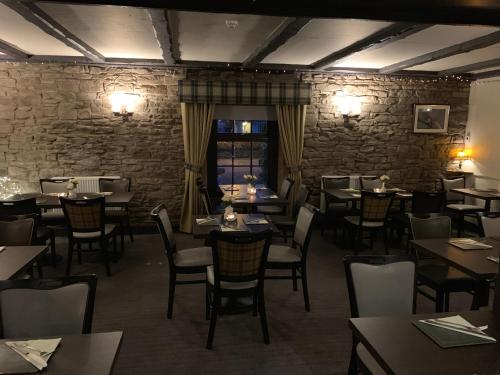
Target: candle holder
251	190
229	214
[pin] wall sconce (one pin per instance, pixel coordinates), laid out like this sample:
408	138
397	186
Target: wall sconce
349	106
463	155
123	104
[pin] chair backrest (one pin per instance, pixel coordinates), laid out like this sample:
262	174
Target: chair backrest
18	207
430	228
159	215
54	185
239	256
375	206
303	227
49	307
455	183
426	202
19	232
84	215
489	224
302	198
335	182
118	185
369	183
286	187
205	198
381	285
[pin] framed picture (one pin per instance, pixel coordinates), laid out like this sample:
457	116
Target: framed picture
431	118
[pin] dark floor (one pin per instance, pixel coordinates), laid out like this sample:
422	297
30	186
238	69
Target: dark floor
134	300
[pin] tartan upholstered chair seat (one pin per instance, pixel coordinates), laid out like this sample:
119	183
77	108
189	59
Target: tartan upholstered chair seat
85	220
186	261
294	257
238	268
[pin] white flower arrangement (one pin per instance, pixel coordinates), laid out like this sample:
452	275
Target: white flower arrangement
227	200
384	178
250	178
72	184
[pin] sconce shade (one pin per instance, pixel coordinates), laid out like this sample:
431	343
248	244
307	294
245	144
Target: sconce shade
348	105
123	103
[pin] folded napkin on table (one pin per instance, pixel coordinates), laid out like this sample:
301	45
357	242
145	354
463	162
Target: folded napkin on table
36	352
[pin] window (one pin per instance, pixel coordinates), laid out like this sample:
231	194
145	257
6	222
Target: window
239	147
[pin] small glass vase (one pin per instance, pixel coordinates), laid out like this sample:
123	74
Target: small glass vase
71	194
382	188
229	214
251	190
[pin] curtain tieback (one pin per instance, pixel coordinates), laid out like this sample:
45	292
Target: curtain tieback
193	168
294	168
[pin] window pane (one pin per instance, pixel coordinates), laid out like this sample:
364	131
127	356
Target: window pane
242	127
259	127
224	126
224	153
224	175
242	153
259	161
238	174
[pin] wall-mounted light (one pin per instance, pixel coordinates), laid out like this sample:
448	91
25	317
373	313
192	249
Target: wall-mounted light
123	104
349	106
463	155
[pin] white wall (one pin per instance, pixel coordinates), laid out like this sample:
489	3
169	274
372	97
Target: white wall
484	128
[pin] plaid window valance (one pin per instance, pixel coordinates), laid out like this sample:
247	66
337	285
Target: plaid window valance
236	92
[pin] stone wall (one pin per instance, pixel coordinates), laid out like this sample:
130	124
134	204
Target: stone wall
56	119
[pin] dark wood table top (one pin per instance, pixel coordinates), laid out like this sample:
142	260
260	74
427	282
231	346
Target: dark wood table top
349	195
202	231
471	262
15	260
261	198
52	201
93	353
401	348
479	193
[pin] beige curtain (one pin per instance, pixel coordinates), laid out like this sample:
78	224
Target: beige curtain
196	127
291	122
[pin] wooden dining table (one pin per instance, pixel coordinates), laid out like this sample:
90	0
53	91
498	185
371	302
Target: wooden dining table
85	354
17	260
401	348
474	263
484	194
203	230
263	197
353	196
51	201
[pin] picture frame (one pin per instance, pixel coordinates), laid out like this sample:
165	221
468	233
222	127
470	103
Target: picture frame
431	118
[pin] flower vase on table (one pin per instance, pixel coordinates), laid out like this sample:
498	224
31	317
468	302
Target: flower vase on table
71	186
384	178
251	180
229	214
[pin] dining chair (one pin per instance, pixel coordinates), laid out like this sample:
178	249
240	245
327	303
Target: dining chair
374	212
286	188
378	286
286	224
369	183
455	202
432	273
239	260
334	213
186	261
23	207
50	307
489	224
294	257
86	225
118	215
53	216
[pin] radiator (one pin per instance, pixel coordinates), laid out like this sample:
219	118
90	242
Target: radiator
353	184
88	184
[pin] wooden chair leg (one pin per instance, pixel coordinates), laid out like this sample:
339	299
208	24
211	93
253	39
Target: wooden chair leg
53	248
129	227
171	295
79	252
294	279
353	363
213	321
39	269
70	256
305	290
439	301
104	247
122	235
263	317
207	302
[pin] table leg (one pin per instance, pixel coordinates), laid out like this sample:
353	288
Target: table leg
481	295
487	205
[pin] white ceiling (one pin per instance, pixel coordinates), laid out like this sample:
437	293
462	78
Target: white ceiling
127	32
205	36
319	38
113	31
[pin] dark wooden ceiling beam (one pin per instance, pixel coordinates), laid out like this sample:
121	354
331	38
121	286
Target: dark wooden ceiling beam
379	39
12	51
490	74
484	12
470	45
286	30
161	30
32	13
471	67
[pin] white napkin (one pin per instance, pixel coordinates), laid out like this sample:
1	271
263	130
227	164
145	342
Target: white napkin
456	323
227	229
206	221
2	248
36	352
